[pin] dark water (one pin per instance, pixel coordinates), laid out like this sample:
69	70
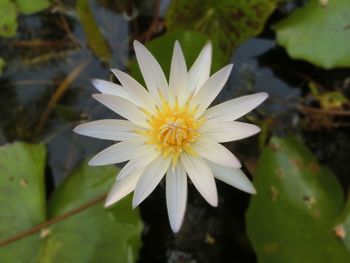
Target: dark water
208	234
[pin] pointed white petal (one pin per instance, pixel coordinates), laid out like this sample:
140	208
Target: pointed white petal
228	131
124	108
200	70
110	88
116	130
142	158
210	89
232	176
137	92
178	76
176	195
122	188
215	152
151	71
150	178
235	108
117	153
201	176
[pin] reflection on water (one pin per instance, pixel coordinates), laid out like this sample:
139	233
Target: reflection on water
250	76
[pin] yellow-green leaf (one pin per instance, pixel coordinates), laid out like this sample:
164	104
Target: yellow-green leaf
94	37
28	7
318	33
8	18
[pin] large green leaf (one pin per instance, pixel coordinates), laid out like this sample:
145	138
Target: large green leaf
292	218
318	33
228	23
116	232
93	235
28	7
8	18
22	198
94	37
162	47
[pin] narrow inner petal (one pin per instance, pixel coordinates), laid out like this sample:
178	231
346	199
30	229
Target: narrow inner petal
173	129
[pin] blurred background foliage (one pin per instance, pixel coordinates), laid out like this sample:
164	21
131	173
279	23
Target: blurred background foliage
298	51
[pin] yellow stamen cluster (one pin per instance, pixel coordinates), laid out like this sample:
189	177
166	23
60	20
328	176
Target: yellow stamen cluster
173	130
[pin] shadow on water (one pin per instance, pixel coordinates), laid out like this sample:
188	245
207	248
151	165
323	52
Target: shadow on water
44	54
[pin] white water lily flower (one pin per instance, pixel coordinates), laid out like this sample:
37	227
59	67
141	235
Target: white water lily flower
169	131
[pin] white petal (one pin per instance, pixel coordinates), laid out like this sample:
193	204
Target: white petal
110	88
235	108
151	71
116	130
124	108
232	176
228	131
122	188
176	195
200	70
201	176
117	153
150	178
137	92
178	75
142	158
215	152
210	89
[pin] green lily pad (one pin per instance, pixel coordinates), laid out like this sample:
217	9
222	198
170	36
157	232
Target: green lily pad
33	6
162	47
227	23
318	33
92	235
8	18
22	198
95	39
294	214
9	10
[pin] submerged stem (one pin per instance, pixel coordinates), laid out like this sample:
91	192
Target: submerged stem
59	92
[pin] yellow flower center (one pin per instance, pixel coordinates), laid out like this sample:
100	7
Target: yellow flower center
173	130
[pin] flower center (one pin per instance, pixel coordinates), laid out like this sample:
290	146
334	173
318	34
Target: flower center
173	130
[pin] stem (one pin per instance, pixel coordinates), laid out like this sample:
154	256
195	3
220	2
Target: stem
60	91
312	110
152	28
52	221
